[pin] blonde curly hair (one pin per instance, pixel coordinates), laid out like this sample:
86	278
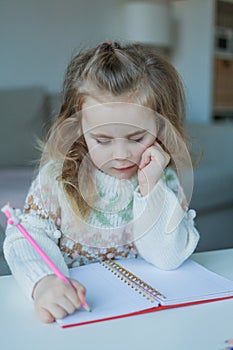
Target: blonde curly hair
133	71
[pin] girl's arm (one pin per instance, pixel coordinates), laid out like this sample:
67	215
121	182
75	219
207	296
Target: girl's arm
39	218
53	297
165	234
25	263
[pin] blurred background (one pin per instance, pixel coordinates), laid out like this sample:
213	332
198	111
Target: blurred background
38	39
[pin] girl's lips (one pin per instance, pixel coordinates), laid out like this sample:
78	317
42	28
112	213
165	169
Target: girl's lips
126	168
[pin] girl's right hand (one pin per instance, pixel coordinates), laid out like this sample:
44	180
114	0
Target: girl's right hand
54	298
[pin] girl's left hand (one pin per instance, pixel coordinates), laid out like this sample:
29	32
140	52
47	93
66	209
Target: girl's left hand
153	162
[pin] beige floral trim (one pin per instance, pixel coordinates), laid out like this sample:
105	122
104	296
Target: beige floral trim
78	254
38	210
74	253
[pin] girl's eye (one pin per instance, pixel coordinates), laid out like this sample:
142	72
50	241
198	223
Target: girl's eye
138	139
102	142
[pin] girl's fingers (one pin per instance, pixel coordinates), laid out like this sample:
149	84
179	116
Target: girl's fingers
146	158
57	299
75	295
44	315
62	305
52	311
57	311
80	291
153	162
154	154
72	295
160	155
66	304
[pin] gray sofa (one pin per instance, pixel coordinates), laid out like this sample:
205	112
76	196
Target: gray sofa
27	113
213	184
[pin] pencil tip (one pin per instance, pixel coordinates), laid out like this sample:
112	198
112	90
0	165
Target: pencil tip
86	307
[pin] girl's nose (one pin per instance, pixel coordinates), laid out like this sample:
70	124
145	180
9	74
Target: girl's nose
121	150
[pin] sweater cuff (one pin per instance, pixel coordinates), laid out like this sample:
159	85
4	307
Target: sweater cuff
26	264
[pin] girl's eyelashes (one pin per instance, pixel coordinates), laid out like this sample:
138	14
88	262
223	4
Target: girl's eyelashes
138	139
102	142
107	141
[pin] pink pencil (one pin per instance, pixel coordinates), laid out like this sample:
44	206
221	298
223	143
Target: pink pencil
13	220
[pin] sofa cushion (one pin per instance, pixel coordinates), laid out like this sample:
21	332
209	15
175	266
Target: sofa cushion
213	176
214	142
23	119
14	184
213	188
4	269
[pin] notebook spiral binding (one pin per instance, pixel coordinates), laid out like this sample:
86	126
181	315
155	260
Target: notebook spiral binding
132	280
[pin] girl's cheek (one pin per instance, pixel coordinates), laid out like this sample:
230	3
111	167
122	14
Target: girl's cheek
147	144
151	143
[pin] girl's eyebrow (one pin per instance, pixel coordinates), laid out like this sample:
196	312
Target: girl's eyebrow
138	132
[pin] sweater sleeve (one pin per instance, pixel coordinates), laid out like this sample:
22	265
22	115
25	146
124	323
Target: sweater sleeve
165	234
39	219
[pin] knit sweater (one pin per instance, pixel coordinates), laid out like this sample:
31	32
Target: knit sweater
121	224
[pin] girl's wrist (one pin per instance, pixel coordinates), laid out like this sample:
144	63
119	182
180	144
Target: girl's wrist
39	284
146	189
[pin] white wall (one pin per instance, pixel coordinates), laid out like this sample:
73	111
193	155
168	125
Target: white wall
193	54
38	37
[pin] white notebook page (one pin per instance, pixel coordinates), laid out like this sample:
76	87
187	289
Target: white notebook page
108	296
190	282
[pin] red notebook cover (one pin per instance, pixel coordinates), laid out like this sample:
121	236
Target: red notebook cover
154	309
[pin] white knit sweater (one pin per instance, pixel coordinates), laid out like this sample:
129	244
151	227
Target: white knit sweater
122	224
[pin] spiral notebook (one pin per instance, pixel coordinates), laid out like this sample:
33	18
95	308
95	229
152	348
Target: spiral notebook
130	287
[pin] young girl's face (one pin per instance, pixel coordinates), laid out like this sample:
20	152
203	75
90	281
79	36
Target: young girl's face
117	133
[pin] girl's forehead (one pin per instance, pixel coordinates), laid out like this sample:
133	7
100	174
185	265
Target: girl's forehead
118	113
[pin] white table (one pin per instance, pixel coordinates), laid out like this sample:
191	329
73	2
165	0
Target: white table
199	327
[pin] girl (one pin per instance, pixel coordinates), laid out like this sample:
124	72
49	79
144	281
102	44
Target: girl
106	187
